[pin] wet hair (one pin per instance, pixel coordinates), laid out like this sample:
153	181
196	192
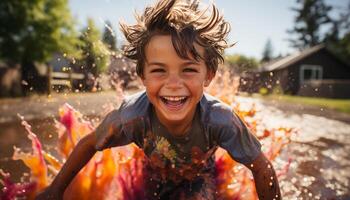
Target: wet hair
186	24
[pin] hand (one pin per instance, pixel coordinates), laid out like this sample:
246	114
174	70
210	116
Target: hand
50	194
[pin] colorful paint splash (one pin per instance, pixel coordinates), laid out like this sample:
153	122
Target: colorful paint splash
117	173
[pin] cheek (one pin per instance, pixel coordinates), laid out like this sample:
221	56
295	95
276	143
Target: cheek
152	95
151	88
196	88
196	83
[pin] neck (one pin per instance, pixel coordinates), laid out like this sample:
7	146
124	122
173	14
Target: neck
178	128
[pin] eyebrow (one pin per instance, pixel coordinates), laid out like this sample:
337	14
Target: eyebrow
156	63
190	62
187	62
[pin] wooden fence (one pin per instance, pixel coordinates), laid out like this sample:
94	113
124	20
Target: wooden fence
62	79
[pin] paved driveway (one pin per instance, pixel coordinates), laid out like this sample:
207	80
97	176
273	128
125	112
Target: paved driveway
320	152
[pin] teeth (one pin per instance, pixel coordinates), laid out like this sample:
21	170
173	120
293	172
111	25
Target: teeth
174	98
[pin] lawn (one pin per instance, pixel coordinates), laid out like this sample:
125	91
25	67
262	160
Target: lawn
342	105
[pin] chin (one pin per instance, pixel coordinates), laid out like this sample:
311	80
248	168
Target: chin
174	118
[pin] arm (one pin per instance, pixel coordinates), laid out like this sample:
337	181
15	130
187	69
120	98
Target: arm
265	178
80	155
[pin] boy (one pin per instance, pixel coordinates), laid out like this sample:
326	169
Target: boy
177	49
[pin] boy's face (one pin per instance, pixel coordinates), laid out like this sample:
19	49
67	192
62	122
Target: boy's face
173	85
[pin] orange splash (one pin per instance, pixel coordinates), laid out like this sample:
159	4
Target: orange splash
117	173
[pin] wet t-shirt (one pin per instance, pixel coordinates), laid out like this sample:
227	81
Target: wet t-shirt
179	167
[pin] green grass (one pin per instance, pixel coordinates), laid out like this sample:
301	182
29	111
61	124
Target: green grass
342	105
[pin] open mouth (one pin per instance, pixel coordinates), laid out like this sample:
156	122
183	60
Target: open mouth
174	102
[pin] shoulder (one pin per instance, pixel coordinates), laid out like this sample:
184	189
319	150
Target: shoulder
124	125
217	112
134	106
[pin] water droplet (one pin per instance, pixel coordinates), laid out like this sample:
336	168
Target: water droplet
24	82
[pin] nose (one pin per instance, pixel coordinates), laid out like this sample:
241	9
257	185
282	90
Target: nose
174	81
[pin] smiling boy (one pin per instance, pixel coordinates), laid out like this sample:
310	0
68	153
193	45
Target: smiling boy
173	85
177	48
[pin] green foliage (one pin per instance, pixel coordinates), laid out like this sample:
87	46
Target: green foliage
338	40
344	44
311	15
241	63
341	47
263	91
109	37
268	52
95	58
33	30
342	105
277	90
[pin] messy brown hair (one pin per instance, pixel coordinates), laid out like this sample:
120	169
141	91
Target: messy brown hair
186	24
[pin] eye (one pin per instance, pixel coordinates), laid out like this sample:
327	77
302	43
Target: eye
190	69
157	70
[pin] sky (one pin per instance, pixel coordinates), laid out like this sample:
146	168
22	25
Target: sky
253	22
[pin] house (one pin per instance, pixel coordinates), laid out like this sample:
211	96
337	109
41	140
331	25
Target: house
312	72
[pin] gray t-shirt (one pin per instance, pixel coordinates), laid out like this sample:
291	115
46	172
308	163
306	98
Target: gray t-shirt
183	164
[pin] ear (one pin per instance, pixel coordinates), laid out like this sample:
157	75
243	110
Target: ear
209	78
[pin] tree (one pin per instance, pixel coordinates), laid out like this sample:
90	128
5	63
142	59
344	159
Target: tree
241	63
268	52
95	54
31	31
338	40
109	37
311	15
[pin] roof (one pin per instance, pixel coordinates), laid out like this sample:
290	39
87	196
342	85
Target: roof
291	59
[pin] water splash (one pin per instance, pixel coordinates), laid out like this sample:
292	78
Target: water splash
117	173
